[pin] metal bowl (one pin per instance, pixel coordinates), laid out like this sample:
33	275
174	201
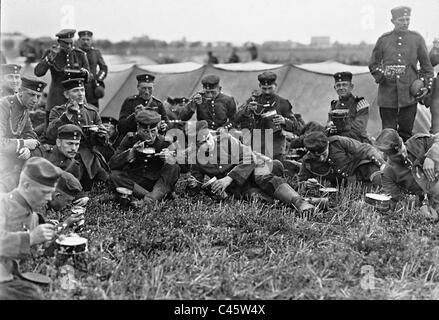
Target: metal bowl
72	245
328	190
381	202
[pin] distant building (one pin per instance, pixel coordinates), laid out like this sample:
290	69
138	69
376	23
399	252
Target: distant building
11	40
320	42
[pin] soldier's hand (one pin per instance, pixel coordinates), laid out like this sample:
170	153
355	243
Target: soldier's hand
139	108
74	218
81	202
220	185
31	144
163	126
278	120
198	99
252	106
42	233
53	51
428	169
24	153
422	93
311	183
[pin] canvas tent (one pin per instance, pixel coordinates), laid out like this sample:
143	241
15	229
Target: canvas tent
309	87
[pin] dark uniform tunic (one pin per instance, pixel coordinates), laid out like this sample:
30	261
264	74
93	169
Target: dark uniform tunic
16	219
94	163
355	124
400	177
127	120
15	125
146	172
76	59
246	118
232	158
58	159
95	60
348	159
218	112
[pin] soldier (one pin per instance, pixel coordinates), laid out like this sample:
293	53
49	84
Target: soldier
174	107
19	224
266	110
64	152
94	89
394	66
77	111
211	105
239	171
339	159
349	114
10	75
17	136
410	166
142	101
108	146
150	176
64	62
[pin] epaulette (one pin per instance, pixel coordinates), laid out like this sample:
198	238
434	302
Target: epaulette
415	32
90	107
385	34
154	98
80	50
361	103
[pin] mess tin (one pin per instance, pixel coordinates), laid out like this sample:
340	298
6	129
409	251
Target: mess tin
72	245
148	151
124	192
380	202
36	278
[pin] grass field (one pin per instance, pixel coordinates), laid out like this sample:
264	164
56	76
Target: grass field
194	248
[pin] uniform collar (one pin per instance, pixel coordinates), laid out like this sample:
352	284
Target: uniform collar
15	194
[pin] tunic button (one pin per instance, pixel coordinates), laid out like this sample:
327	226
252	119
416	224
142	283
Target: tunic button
399	37
399	60
220	167
399	43
342	104
399	54
397	76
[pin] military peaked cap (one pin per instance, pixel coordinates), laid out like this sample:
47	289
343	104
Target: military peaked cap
42	171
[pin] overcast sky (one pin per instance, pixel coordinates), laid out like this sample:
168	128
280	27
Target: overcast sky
236	21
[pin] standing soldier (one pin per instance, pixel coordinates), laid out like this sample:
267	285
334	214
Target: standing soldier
17	137
266	110
94	89
348	116
394	66
142	101
64	62
211	105
10	75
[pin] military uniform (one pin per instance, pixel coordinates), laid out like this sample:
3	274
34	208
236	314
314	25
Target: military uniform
251	173
17	218
127	117
146	176
58	159
73	60
15	126
95	59
96	167
218	112
255	119
394	67
6	69
432	101
355	124
407	176
348	159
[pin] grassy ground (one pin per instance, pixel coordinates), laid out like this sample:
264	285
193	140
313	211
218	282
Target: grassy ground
194	248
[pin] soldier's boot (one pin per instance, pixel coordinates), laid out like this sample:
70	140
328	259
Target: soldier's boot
286	194
160	191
